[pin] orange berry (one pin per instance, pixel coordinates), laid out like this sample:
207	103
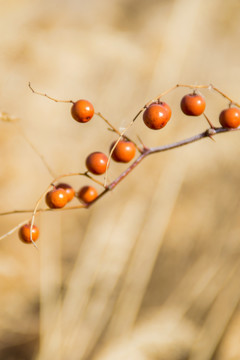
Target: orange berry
166	107
156	116
82	111
96	163
193	104
230	118
24	233
68	188
87	194
56	198
124	151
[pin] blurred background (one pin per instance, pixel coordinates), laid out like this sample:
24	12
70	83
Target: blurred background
152	270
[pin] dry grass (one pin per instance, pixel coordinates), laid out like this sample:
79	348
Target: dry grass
152	270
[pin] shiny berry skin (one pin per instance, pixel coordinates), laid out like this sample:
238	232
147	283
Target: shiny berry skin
68	188
24	233
155	116
56	198
82	111
193	104
124	151
96	163
166	107
230	118
87	194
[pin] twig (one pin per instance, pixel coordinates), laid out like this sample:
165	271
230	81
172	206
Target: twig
12	230
35	150
209	133
47	96
149	151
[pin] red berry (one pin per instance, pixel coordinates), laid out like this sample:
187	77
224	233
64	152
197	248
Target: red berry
68	188
82	111
230	118
193	104
156	116
166	107
96	163
56	198
87	194
124	151
24	233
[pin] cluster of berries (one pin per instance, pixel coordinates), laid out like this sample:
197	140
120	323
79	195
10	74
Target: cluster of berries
155	117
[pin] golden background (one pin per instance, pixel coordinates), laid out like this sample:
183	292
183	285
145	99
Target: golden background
151	271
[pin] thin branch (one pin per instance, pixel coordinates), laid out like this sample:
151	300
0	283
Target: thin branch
12	230
225	96
209	133
40	210
148	151
112	128
47	96
35	150
205	134
14	120
44	194
93	179
209	87
108	123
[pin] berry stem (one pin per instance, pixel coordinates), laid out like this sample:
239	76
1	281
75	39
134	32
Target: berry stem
145	153
108	123
112	128
93	179
35	150
47	96
209	122
205	134
210	132
13	230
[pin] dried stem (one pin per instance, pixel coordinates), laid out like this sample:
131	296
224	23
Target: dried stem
148	151
44	194
108	123
12	230
93	179
116	131
35	150
209	133
47	96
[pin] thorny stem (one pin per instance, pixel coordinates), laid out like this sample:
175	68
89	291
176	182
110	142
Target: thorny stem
212	131
148	151
205	134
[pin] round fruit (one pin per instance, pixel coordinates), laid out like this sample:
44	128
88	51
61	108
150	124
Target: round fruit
96	163
24	233
82	111
193	104
124	151
68	188
156	116
230	118
56	198
87	194
166	107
